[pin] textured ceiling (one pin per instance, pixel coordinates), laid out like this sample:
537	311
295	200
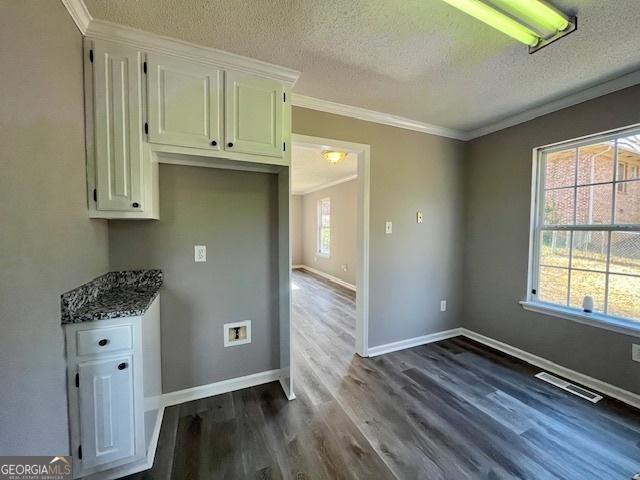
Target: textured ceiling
421	59
310	171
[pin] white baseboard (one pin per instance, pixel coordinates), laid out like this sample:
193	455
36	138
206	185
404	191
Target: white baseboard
413	342
297	267
217	388
599	386
618	393
139	466
329	277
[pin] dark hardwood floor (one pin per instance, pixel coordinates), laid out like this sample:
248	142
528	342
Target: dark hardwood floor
449	410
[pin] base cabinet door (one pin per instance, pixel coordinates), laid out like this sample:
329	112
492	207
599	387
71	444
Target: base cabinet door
106	401
117	103
184	103
253	115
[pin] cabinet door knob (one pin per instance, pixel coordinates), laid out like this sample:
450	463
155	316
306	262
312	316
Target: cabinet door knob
122	366
230	144
103	342
213	143
135	204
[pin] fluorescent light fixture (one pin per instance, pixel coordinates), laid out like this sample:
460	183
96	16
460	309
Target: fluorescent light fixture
497	20
532	22
541	14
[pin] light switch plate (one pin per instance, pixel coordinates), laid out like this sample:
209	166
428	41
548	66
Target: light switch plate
200	253
419	217
635	352
443	305
388	227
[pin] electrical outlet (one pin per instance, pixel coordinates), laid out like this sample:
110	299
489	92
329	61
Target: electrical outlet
388	227
635	352
443	305
200	253
419	217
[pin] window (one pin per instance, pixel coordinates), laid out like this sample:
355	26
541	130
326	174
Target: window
586	229
324	227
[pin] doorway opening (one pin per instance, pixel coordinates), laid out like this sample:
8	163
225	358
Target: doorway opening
330	229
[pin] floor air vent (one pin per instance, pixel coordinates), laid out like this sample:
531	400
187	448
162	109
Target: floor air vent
569	387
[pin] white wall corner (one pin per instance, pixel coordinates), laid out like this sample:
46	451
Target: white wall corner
79	13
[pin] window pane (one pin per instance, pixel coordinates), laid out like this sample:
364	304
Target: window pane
558	207
594	205
555	249
628	203
560	169
629	158
590	250
595	163
625	253
624	296
325	238
553	285
587	283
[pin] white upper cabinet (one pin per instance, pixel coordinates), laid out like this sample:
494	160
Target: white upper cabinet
142	103
253	115
185	103
118	120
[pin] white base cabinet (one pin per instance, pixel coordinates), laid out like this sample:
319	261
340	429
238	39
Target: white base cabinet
113	369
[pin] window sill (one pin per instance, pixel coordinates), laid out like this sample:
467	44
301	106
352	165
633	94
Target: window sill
323	255
614	324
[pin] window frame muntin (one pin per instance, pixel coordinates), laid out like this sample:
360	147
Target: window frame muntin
537	226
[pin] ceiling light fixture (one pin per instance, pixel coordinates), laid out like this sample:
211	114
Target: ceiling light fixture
333	156
532	22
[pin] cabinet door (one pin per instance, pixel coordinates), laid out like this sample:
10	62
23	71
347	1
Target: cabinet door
184	103
106	401
118	127
253	115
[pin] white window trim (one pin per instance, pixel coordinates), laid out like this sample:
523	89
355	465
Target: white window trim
607	322
319	227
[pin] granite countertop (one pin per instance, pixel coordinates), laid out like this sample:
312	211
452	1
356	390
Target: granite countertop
112	295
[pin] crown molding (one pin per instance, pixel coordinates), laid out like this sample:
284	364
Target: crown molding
79	12
102	30
375	117
619	83
326	185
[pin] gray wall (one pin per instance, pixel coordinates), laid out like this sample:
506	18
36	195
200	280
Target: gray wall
48	245
297	238
418	265
235	215
497	230
344	215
